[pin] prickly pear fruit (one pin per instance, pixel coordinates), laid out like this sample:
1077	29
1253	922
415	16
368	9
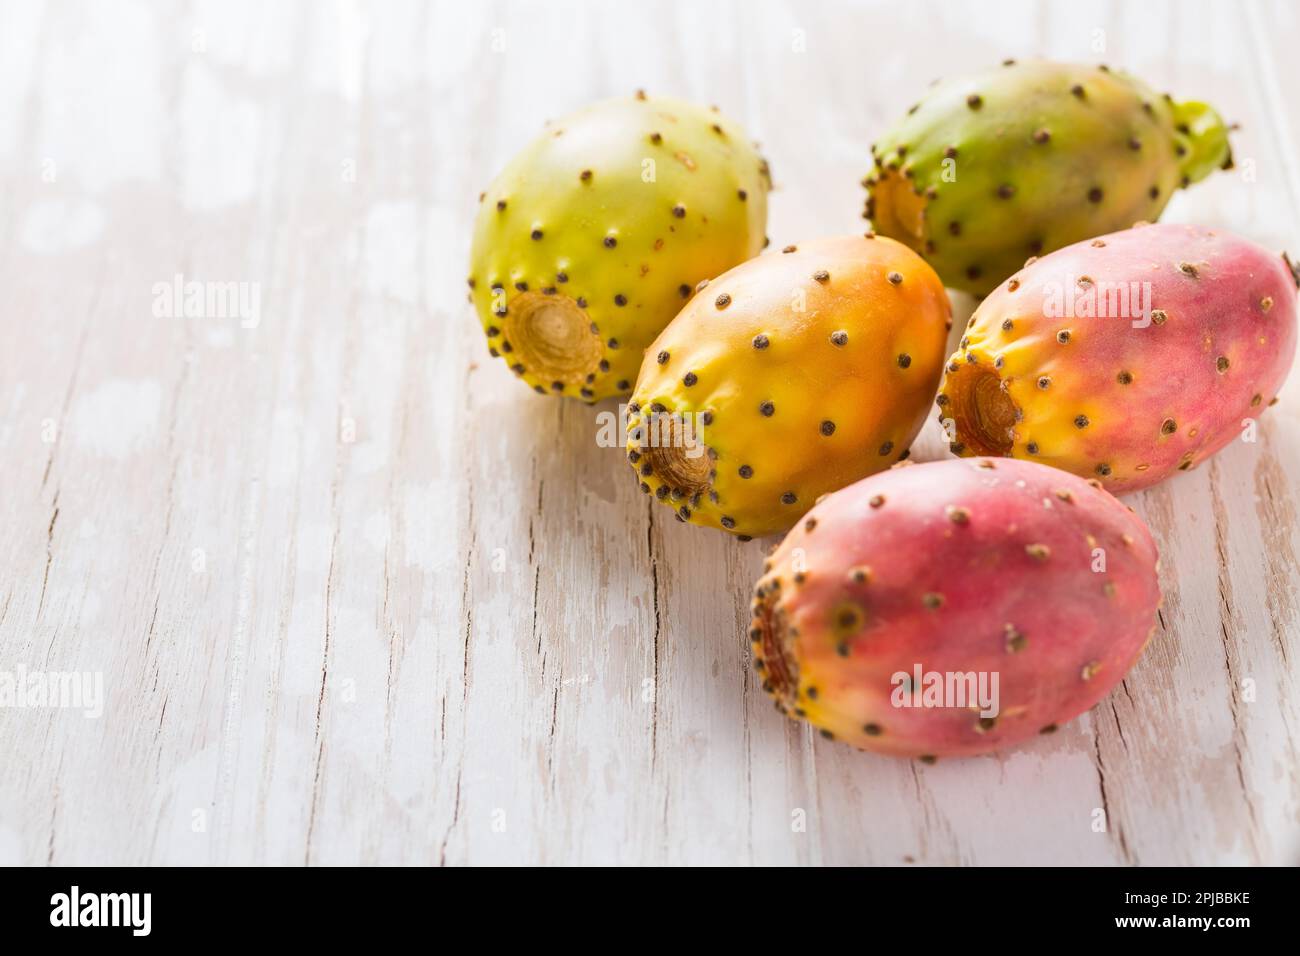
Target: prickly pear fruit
1125	357
589	242
790	376
1020	160
1029	592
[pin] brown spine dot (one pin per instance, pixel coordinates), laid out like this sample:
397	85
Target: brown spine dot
1015	640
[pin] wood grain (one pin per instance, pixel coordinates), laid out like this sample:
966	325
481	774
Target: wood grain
357	597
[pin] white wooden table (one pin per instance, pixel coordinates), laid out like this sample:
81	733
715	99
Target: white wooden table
356	596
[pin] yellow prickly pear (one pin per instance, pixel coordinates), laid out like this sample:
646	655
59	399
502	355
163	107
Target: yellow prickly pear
590	240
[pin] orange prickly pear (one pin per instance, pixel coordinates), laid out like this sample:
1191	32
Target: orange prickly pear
792	375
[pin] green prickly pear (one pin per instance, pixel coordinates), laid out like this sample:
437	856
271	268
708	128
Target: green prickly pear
990	168
591	239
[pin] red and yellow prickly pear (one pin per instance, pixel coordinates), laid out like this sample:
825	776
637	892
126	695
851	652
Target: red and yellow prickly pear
954	607
1020	160
588	243
790	376
1125	357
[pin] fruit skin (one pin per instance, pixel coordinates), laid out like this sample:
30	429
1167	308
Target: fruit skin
802	371
1026	158
1129	405
578	261
958	566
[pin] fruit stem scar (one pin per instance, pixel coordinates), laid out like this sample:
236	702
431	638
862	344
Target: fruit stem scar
983	413
553	338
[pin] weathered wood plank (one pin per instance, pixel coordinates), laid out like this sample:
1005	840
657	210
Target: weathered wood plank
358	597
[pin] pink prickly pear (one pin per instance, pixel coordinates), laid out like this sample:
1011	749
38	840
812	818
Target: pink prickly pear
1125	357
1036	582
